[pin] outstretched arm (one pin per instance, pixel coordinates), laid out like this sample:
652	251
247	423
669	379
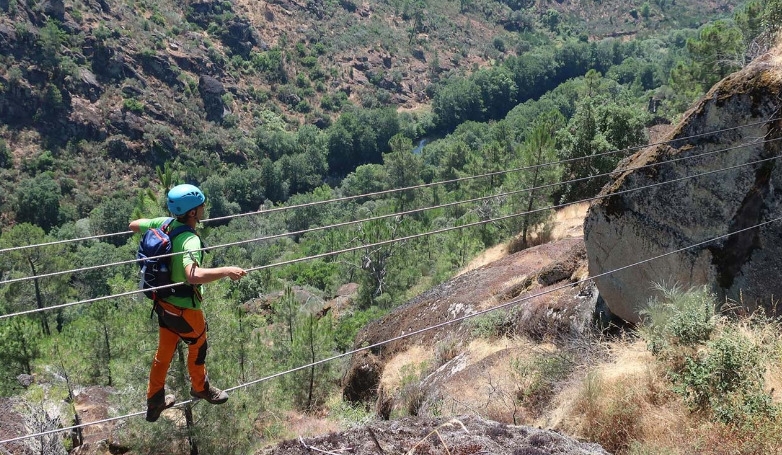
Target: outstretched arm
201	275
135	225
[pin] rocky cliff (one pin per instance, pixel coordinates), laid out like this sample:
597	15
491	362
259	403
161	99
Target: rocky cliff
731	136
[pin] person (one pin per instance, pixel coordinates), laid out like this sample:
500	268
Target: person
180	317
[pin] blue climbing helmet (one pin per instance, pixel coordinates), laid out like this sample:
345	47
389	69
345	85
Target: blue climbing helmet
183	198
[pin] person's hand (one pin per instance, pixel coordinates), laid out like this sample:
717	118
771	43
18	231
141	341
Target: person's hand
234	273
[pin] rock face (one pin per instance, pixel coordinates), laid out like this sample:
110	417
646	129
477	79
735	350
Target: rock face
212	91
734	134
518	276
462	435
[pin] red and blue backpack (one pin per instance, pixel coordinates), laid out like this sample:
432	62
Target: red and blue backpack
156	270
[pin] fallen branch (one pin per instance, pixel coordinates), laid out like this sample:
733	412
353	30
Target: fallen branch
309	447
374	439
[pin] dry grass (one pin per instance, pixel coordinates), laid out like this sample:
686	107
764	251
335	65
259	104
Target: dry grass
567	222
487	256
627	405
307	425
413	361
621	398
619	407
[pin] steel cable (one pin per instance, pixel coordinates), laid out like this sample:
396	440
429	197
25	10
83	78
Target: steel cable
391	191
413	333
396	214
402	239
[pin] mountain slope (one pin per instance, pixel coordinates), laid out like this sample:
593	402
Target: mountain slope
100	92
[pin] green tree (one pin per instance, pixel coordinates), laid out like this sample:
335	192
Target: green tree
50	42
597	128
380	268
303	171
86	344
583	140
96	283
403	168
302	218
6	160
112	215
716	52
219	203
38	201
538	148
456	102
30	262
271	64
646	10
306	339
367	178
20	340
498	91
360	137
453	160
533	73
415	10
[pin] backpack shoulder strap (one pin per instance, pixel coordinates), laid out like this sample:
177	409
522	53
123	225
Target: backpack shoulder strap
180	229
166	225
171	235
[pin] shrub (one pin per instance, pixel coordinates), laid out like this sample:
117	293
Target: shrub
320	48
412	393
6	160
726	378
133	105
495	324
158	18
38	201
539	376
309	61
303	106
716	366
680	319
302	81
349	325
445	350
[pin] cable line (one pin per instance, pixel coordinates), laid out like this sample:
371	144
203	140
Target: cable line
478	223
390	191
395	214
403	239
416	332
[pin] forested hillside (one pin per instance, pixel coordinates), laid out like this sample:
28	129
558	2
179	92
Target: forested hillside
275	108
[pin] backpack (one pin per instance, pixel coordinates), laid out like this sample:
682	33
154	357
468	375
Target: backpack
156	271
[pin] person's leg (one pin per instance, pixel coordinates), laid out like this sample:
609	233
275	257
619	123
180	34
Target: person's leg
167	341
196	360
196	348
157	400
190	325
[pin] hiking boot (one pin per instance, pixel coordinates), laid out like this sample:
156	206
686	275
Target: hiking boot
157	404
211	394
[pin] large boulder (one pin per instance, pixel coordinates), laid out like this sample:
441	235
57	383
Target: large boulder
212	92
534	277
733	134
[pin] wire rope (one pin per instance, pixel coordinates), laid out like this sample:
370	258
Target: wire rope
401	239
415	332
396	214
390	191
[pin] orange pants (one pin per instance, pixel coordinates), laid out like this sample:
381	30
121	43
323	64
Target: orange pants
188	325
